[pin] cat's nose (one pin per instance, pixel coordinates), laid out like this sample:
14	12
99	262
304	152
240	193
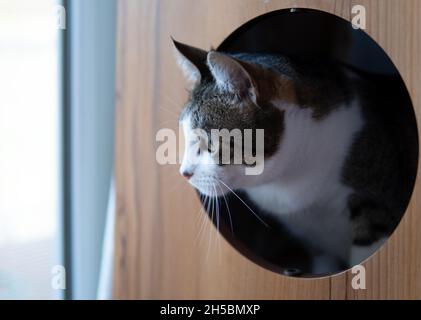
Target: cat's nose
187	174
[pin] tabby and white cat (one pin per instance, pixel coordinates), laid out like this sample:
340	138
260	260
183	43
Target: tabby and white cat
333	175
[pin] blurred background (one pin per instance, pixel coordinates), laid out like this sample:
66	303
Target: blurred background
57	75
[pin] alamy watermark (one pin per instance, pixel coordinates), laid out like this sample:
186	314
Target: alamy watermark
58	279
59	17
358	280
359	17
224	146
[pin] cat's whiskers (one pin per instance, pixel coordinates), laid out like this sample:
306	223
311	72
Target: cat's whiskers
216	199
218	239
210	228
227	205
247	206
204	224
173	114
202	216
175	106
205	213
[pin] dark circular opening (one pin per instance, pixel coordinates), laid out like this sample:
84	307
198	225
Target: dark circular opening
306	33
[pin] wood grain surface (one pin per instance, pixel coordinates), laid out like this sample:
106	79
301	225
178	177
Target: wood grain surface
159	253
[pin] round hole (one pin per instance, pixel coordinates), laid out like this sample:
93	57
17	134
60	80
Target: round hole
378	168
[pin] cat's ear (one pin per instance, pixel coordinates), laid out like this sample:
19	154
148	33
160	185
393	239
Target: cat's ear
192	61
231	76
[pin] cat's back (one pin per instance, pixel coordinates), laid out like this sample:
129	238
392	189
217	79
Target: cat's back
382	161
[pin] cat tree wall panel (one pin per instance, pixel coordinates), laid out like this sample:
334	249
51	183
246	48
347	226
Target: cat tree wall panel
158	251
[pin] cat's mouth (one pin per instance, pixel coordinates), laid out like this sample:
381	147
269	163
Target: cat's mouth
209	186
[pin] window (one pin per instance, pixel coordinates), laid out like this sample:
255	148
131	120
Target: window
29	149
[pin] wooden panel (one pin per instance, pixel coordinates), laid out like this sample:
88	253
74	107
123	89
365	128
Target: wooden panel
158	251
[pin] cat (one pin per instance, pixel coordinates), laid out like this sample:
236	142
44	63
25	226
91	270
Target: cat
338	165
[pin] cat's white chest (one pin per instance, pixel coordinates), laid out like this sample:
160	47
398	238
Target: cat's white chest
323	224
304	179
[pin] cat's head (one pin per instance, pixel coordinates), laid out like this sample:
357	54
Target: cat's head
230	98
